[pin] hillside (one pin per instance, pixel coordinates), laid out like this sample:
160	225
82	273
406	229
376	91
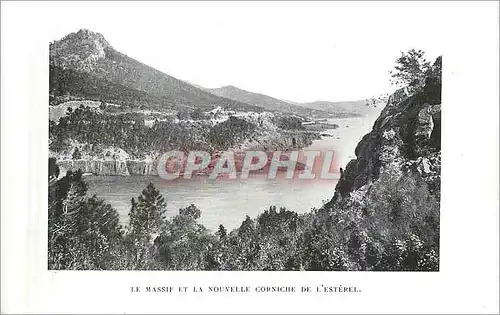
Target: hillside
267	102
388	198
85	65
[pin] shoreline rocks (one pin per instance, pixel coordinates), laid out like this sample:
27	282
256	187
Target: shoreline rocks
121	164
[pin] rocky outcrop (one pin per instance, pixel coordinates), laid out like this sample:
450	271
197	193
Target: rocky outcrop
405	138
116	162
110	167
80	50
281	140
142	167
97	167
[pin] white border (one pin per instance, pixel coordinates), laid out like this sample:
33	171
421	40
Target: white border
467	281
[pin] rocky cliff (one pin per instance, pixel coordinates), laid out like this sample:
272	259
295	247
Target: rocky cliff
406	138
80	50
110	167
116	162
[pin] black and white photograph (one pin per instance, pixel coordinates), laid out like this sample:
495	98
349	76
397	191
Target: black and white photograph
261	137
147	171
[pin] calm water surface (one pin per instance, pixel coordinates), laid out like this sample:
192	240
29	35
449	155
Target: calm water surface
227	202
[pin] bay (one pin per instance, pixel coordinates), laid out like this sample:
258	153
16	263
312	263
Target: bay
227	202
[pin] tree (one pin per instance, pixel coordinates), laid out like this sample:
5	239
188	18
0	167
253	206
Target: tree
289	123
247	228
53	169
411	69
147	222
221	232
433	82
83	233
191	211
198	114
183	114
186	244
148	214
436	69
76	154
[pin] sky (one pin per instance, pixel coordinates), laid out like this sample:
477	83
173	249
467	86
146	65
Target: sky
296	51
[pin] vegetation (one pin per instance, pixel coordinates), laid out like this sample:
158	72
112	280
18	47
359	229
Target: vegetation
53	169
129	132
411	69
230	132
289	123
76	154
396	229
83	233
69	84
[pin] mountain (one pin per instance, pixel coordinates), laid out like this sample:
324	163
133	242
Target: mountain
85	65
267	102
314	109
346	108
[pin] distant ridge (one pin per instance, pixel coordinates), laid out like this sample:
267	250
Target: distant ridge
346	108
267	102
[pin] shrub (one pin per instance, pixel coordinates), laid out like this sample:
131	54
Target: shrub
411	69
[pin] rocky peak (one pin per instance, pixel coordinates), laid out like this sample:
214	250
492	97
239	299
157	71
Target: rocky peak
229	88
86	35
80	50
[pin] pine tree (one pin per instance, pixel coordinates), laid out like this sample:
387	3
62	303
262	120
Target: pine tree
83	233
148	214
222	232
191	211
411	68
147	222
76	154
53	169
